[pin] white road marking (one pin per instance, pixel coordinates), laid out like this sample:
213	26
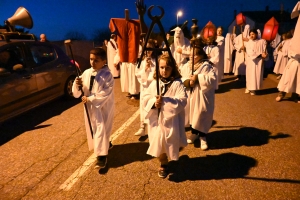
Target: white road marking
88	163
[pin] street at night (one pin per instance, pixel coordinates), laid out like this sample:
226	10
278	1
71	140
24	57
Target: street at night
253	152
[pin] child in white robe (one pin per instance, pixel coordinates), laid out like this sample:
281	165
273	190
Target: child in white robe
144	75
201	90
255	53
165	112
98	87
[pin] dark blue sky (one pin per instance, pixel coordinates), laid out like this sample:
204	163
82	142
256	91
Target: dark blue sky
56	18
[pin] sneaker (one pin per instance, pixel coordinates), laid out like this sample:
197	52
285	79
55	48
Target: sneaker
192	138
101	162
252	93
203	143
140	132
163	171
247	91
278	98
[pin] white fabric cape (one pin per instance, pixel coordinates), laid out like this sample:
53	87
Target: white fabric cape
100	107
166	131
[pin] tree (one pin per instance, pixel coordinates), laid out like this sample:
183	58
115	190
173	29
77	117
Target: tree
75	35
100	35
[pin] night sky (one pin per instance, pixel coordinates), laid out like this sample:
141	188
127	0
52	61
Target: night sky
56	18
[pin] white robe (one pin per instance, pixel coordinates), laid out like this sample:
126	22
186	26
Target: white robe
145	78
201	101
282	57
180	42
254	64
129	82
214	53
239	67
221	44
166	131
290	80
111	53
100	107
228	49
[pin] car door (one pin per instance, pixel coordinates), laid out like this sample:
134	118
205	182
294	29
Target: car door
47	69
17	82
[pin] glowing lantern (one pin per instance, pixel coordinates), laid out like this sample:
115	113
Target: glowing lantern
240	19
270	29
208	31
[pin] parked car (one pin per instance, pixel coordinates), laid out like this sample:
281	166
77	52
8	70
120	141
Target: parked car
31	73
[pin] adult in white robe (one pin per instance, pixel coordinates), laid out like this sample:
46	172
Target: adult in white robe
221	45
166	127
282	56
228	50
112	48
239	67
100	107
255	52
290	80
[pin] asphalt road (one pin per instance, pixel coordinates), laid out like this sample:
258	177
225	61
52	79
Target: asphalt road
254	153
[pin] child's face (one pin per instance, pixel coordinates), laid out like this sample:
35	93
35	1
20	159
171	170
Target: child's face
149	53
219	32
96	62
196	57
164	70
253	36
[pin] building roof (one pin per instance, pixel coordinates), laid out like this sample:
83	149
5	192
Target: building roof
264	16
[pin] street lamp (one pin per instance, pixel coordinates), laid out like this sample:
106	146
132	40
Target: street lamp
179	14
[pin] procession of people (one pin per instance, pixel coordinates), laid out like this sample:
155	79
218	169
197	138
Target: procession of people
176	88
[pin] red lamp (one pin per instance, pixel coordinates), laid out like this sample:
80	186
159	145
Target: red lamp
208	31
240	19
270	30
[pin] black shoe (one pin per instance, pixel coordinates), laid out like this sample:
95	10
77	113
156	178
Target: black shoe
163	171
101	162
110	145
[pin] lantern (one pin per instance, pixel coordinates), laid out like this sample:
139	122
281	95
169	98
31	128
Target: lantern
270	30
240	19
209	31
